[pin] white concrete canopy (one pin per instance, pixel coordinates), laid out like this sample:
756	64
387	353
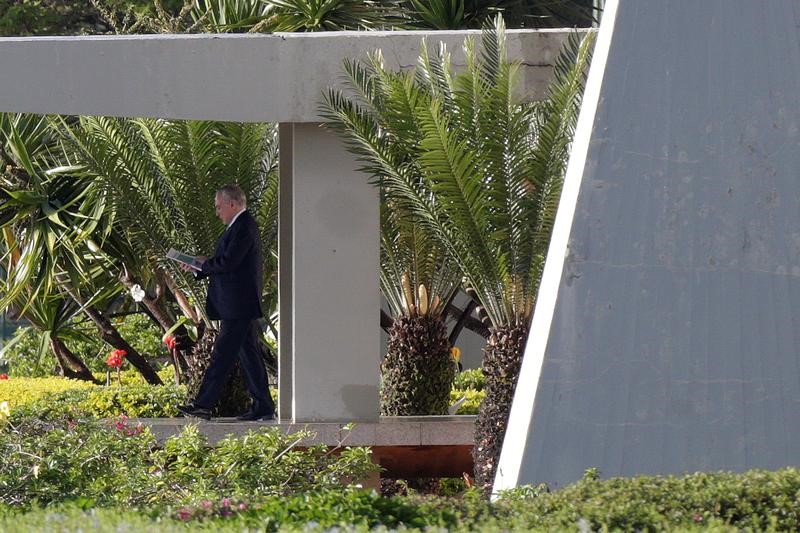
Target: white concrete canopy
666	336
240	78
329	339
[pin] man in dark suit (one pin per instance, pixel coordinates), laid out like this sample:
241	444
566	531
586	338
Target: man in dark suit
234	297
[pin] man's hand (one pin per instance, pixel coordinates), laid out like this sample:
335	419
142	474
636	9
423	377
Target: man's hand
186	268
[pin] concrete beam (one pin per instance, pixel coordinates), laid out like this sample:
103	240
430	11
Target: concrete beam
242	78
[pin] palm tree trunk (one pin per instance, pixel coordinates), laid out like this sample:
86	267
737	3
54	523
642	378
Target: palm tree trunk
418	370
71	365
501	363
110	335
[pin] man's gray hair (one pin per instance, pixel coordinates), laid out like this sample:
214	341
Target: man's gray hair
233	193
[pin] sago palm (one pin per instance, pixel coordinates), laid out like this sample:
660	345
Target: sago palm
418	281
481	172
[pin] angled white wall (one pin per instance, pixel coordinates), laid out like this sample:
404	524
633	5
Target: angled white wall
666	338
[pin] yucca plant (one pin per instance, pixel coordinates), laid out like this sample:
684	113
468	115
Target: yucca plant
48	218
481	172
219	16
321	15
417	280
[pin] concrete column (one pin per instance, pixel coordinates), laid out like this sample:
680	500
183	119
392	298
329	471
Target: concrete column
285	279
332	273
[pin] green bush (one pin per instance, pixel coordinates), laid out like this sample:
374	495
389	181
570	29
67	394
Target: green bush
470	379
756	500
135	401
25	358
472	400
19	392
116	463
753	501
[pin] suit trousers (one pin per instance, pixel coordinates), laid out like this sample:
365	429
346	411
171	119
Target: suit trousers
236	338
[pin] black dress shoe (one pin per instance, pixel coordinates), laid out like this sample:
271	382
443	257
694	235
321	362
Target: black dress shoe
253	415
195	412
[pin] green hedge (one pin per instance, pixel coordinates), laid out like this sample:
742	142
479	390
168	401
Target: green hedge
754	501
24	391
56	396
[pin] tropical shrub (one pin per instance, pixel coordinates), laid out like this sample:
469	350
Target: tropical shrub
117	463
21	391
472	378
27	356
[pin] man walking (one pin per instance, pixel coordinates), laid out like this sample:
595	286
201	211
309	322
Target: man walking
234	297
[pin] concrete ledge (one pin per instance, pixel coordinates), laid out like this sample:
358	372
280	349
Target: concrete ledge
388	431
405	447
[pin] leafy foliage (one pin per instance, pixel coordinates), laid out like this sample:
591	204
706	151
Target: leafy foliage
470	379
159	178
27	355
118	463
472	165
752	501
53	398
321	15
21	391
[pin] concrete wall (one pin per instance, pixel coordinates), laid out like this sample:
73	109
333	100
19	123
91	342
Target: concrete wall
246	78
665	338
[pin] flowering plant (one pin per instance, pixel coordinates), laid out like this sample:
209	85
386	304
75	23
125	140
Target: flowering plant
170	341
3	377
455	353
116	358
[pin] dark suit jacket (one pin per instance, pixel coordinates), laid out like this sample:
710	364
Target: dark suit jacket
236	272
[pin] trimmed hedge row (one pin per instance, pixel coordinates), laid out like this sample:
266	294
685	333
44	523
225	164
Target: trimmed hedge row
755	501
57	395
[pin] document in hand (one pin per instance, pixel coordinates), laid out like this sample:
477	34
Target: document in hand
186	259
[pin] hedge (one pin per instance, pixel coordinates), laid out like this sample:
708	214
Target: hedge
755	501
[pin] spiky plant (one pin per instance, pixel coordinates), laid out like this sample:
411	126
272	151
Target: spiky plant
48	217
417	280
481	172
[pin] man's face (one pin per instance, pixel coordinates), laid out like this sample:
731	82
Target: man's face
225	209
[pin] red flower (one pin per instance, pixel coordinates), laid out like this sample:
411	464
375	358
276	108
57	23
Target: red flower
116	358
170	341
3	377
